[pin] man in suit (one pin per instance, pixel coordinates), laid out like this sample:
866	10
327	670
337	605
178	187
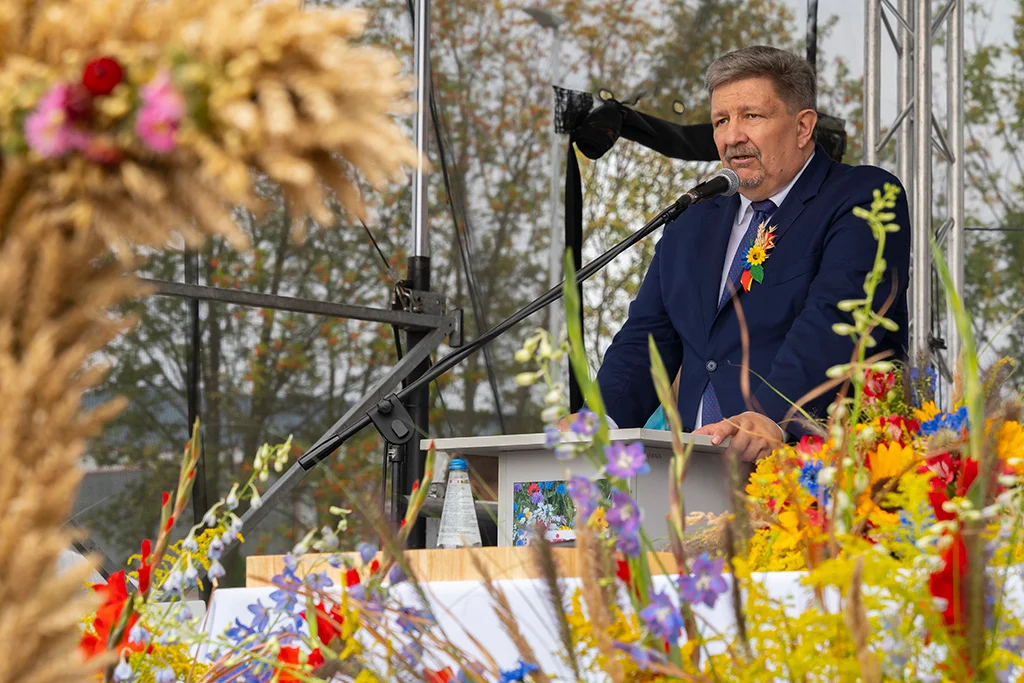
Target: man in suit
798	205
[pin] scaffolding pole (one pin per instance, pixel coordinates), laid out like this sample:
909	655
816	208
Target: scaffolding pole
925	149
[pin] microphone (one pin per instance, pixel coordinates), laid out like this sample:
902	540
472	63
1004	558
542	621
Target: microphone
724	183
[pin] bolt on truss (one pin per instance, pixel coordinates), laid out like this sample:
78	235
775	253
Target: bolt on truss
924	144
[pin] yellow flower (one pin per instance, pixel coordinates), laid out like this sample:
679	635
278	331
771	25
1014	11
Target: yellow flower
756	255
1010	444
791	534
927	411
890	461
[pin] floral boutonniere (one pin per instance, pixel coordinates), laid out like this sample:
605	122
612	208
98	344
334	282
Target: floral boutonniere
757	254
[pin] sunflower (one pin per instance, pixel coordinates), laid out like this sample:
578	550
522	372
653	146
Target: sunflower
756	255
927	411
892	460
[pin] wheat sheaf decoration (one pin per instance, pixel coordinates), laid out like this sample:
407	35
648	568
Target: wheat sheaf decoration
125	124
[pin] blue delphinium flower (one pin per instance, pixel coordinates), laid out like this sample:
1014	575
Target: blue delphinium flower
705	582
643	657
517	674
585	423
319	581
952	421
624	515
626	461
261	617
662	617
366	552
560	489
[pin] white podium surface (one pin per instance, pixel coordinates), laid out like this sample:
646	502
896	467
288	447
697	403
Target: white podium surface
523	458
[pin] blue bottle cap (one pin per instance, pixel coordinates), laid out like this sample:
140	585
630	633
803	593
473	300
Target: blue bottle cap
458	465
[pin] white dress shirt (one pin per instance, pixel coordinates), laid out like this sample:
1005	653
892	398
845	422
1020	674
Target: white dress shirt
739	229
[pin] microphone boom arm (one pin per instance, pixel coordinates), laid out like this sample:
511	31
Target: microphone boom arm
359	415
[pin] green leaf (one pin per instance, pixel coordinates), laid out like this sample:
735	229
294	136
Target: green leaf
757	273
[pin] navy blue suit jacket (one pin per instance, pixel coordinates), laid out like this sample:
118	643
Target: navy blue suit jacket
822	256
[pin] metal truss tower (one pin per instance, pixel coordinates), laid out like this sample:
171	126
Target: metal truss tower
926	149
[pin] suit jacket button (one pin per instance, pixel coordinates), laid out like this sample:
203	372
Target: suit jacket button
711	366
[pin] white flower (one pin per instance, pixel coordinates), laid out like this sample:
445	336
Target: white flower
123	672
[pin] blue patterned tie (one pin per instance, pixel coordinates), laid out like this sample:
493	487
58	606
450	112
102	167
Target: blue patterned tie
712	411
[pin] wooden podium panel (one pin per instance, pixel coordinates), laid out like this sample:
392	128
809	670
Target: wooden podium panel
444	565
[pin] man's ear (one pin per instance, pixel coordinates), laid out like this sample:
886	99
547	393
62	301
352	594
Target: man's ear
806	120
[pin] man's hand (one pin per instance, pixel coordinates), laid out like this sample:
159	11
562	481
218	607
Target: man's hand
754	436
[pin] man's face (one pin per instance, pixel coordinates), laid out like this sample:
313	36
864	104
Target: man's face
758	137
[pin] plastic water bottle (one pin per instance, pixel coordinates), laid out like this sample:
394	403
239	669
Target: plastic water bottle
459	526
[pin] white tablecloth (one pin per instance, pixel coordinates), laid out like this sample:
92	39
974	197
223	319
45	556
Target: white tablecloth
462	606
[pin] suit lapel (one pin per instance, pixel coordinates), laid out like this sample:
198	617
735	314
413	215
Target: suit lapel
714	242
785	216
804	191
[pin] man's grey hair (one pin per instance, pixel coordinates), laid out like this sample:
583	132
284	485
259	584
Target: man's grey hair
793	76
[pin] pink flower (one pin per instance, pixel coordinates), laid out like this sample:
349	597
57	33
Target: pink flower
49	130
160	115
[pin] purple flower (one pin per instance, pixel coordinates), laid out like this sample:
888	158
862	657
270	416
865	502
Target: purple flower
396	575
626	461
552	437
537	498
628	545
641	656
624	515
705	581
517	487
585	496
366	552
662	617
261	618
319	581
585	423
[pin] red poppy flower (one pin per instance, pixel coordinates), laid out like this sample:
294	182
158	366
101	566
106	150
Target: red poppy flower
809	445
328	622
533	488
102	75
950	583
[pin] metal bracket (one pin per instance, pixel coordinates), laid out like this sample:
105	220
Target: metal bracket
392	420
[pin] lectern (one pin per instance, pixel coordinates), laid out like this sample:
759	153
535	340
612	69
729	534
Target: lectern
531	480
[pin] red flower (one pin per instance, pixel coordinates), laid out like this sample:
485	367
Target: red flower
949	583
533	488
445	675
352	578
289	664
899	428
102	75
328	622
878	384
115	595
622	571
144	568
77	103
937	498
809	445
